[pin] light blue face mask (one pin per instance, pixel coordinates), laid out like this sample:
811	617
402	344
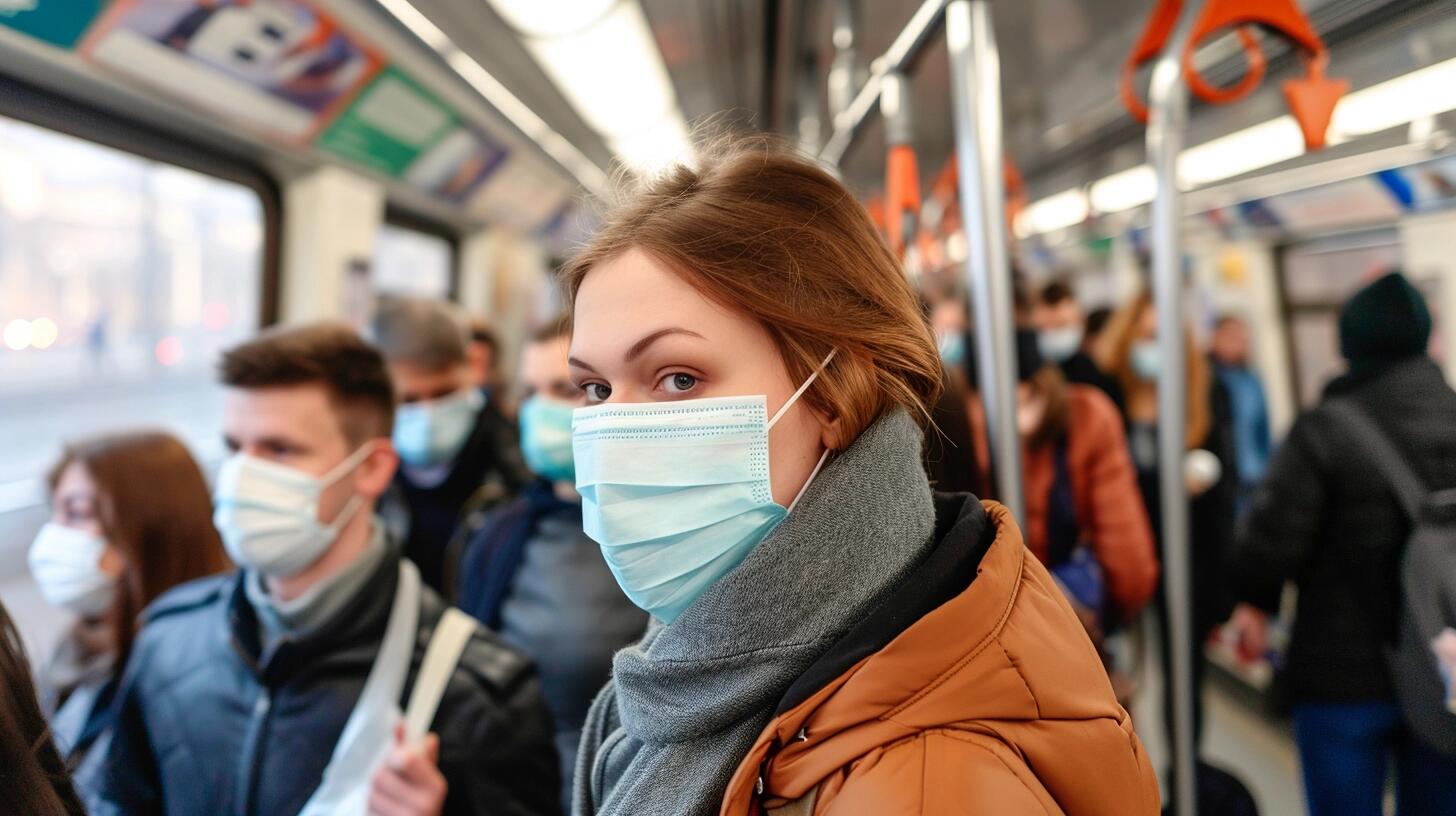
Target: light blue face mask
1146	360
952	349
1058	345
432	433
677	493
546	439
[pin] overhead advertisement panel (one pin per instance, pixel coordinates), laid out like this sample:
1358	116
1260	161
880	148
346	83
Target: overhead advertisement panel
277	66
390	124
58	22
398	128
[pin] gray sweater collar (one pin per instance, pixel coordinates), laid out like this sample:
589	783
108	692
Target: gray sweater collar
320	603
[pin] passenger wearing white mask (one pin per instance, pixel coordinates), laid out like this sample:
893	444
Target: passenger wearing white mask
322	678
458	452
1061	326
130	519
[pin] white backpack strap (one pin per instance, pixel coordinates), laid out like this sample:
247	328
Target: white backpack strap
441	657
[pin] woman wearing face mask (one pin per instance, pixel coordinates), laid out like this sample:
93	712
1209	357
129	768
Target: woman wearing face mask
829	634
1130	351
1084	519
130	518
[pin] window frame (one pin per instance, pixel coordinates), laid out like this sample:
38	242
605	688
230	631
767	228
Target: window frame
27	103
403	218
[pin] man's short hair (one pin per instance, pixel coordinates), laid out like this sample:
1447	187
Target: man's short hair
483	334
1056	293
331	355
430	334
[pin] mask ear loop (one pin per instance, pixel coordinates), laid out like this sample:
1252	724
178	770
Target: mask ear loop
805	387
787	405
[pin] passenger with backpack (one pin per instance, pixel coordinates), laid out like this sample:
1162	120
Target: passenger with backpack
1359	511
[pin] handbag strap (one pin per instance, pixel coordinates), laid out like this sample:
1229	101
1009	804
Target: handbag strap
447	644
1382	453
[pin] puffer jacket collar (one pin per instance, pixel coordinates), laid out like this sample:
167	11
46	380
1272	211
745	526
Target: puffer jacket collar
928	676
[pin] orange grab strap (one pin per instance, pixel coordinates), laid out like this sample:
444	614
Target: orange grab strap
902	194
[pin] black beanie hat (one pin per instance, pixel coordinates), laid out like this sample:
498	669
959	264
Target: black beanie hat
1386	320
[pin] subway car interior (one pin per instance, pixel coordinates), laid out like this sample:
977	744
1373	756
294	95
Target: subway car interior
1238	216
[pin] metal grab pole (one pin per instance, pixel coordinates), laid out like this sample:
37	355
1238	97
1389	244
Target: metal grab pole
1167	124
975	72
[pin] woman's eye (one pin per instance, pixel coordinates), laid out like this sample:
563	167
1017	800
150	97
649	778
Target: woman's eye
597	392
679	383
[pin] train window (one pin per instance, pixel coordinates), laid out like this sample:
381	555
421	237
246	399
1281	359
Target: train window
1318	277
122	278
410	261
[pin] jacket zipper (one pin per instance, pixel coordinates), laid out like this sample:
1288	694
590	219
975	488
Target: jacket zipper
252	754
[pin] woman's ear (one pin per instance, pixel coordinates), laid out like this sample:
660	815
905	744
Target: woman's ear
832	434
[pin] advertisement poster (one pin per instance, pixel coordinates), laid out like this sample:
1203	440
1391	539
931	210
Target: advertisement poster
58	22
278	66
390	124
457	165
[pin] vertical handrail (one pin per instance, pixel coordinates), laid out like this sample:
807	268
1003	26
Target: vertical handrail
1167	126
976	107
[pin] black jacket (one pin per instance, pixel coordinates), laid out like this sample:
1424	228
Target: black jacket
1080	369
207	725
1324	519
487	470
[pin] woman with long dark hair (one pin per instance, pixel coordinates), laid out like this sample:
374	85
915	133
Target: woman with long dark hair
33	779
131	517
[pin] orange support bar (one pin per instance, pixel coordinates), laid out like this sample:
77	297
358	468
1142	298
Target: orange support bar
902	196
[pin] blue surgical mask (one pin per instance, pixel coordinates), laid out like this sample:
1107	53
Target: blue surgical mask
1146	360
432	433
1059	345
677	493
952	349
546	439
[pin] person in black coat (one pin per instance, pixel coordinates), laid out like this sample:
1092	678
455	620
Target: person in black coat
459	454
1063	337
1325	519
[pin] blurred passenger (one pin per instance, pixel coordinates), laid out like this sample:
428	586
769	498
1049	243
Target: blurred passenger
1096	324
130	519
1132	355
531	574
1084	518
749	461
277	689
33	778
1250	410
458	452
1061	336
483	351
1326	519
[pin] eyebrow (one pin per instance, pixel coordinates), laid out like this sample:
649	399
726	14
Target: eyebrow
640	347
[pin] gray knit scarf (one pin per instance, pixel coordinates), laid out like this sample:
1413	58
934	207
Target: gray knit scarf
686	704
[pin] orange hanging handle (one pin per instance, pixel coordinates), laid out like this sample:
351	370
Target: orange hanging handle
902	196
1311	99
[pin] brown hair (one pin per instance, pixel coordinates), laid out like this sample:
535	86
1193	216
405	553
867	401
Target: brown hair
153	505
328	354
1115	357
431	334
1050	384
33	779
765	231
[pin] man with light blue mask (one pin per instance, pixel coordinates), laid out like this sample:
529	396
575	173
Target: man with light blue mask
531	574
458	452
1061	328
308	681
